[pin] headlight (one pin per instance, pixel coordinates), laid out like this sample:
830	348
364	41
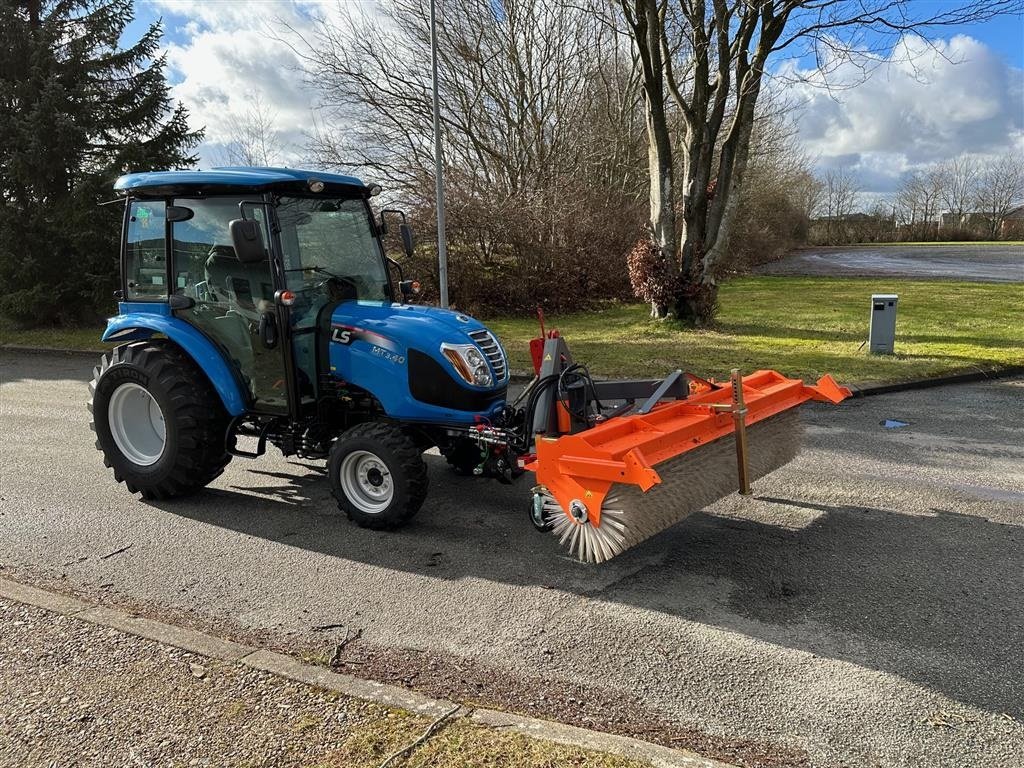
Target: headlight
468	363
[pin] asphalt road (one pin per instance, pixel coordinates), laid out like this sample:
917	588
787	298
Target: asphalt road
973	263
866	607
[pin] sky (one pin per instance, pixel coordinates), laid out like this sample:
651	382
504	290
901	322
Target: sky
917	104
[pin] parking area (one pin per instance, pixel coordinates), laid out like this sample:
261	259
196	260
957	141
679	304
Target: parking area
974	263
866	607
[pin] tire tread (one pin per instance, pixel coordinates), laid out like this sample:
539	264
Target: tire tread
199	417
407	455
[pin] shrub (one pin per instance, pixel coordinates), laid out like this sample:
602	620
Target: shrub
654	278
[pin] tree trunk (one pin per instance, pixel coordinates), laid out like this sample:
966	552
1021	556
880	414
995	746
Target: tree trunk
663	217
647	26
710	209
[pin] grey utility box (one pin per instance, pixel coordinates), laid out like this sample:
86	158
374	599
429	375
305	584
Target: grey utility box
882	329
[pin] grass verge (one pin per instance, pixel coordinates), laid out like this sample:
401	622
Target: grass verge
52	338
458	745
801	327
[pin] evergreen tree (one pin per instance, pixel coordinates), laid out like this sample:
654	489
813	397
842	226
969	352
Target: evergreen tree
76	111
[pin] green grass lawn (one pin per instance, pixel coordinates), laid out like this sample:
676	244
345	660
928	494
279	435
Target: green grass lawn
801	327
54	338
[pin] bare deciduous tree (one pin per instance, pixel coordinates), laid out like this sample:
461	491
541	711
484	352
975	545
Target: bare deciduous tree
958	180
254	138
838	200
541	126
807	192
1000	189
919	201
705	62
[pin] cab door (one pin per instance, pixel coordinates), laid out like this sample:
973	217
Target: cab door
230	302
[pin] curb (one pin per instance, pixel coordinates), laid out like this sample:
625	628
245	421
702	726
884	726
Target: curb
384	694
516	377
868	390
93	353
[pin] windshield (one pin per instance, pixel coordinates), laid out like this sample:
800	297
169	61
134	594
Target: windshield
330	251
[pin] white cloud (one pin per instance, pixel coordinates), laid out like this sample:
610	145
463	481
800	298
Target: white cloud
921	104
222	55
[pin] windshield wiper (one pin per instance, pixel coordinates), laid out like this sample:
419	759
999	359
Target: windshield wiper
315	268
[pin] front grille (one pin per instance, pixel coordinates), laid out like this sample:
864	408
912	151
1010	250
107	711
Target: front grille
492	351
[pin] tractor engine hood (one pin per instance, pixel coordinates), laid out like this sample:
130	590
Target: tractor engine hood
397	353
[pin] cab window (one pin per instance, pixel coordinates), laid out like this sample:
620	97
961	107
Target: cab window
229	298
145	257
205	266
330	253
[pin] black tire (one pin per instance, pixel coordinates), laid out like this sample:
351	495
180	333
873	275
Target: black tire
194	419
404	471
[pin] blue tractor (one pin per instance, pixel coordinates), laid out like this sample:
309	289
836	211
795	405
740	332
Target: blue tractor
260	303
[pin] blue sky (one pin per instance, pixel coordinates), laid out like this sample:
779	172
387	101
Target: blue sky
1005	36
965	95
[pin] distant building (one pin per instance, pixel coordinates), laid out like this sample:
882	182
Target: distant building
951	220
978	222
1012	227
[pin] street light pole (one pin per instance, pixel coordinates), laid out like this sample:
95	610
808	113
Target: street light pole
442	246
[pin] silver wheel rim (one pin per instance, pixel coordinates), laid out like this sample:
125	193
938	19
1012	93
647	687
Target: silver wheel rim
137	424
367	482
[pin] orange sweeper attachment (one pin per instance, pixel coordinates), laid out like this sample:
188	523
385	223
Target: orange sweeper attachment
618	461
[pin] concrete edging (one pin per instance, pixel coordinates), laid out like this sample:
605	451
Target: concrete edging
869	390
384	694
518	377
93	353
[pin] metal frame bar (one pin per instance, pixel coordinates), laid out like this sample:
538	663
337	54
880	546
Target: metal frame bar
637	389
663	388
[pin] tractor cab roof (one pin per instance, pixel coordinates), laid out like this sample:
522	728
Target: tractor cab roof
229	180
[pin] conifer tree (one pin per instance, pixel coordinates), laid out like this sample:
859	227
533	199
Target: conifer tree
76	110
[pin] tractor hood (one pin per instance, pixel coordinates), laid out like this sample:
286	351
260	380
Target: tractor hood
409	326
410	321
394	351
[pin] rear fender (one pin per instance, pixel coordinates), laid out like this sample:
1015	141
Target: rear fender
133	326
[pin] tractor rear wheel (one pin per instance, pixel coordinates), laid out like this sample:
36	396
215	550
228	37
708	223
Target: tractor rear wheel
157	419
378	476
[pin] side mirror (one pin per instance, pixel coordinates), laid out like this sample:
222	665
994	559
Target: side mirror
409	288
247	239
407	243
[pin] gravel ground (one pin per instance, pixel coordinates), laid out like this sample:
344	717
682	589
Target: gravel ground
864	608
75	694
975	263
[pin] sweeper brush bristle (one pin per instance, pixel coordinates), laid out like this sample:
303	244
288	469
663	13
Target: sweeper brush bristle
689	482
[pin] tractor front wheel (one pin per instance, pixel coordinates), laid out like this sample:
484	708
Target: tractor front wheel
378	476
157	419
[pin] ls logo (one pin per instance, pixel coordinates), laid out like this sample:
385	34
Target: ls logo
341	335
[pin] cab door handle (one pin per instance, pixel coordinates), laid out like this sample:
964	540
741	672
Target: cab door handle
268	330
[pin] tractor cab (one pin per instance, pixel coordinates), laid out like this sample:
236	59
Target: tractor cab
312	243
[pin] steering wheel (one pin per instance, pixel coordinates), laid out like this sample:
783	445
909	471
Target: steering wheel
338	288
